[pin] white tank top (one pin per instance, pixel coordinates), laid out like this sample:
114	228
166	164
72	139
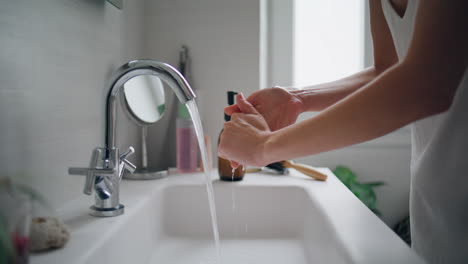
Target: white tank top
439	165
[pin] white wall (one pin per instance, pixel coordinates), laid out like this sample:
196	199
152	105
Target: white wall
223	38
57	54
280	40
55	57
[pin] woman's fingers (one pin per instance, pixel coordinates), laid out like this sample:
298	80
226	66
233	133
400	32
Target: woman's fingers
229	110
243	136
244	106
221	153
235	108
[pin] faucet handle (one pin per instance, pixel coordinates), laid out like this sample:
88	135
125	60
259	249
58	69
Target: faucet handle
127	164
90	175
90	172
127	153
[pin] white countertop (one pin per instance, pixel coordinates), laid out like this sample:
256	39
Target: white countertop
364	236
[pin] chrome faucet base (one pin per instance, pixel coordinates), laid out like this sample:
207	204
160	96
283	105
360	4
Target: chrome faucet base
107	212
103	176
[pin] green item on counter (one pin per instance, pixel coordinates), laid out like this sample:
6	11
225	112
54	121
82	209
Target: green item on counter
364	191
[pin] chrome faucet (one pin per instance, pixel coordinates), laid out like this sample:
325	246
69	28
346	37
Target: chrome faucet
107	166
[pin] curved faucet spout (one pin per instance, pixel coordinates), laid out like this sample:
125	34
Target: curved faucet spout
134	68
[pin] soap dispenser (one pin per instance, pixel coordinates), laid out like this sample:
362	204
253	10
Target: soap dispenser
226	172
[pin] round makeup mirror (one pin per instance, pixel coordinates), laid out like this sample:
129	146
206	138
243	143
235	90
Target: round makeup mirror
144	101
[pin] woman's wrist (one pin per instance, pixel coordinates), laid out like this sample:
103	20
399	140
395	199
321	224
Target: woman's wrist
269	151
310	100
298	100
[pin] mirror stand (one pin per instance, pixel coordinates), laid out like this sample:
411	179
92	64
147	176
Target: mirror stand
143	172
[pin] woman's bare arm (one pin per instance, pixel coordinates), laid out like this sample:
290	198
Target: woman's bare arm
281	106
423	84
420	86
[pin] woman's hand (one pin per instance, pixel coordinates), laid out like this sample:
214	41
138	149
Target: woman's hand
243	138
278	106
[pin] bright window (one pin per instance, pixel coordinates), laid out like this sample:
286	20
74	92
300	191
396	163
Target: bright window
328	40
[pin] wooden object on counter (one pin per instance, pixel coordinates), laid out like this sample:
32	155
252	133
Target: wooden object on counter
305	169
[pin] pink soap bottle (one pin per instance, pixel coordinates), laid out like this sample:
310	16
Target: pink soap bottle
186	138
186	141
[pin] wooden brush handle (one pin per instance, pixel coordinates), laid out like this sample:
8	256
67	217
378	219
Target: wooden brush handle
307	170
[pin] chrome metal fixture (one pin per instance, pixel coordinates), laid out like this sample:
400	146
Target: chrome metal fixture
107	166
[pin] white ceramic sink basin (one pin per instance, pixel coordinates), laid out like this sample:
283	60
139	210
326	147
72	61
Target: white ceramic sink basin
258	224
263	219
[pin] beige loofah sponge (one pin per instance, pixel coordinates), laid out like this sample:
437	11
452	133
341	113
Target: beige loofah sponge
47	233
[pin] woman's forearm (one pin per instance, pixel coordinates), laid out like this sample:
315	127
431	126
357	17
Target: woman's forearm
318	97
403	98
424	83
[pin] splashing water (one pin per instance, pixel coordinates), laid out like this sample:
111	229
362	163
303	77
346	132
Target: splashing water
193	110
232	192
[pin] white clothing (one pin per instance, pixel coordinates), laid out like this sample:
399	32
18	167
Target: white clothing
439	165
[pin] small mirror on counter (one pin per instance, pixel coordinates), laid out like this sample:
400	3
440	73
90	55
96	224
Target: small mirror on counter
144	102
144	98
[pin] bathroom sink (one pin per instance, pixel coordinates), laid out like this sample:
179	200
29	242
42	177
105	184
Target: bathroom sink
257	224
262	219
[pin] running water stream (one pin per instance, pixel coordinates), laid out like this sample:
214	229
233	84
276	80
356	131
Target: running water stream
192	108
